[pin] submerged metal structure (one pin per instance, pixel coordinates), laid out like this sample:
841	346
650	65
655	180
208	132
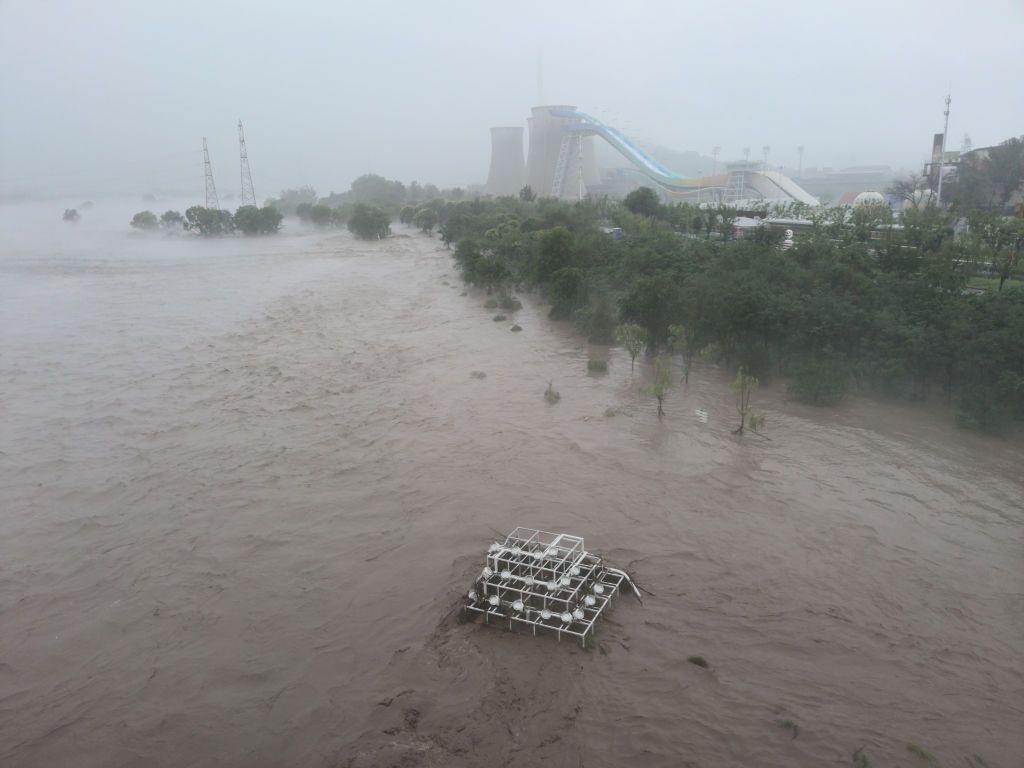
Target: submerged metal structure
537	580
507	173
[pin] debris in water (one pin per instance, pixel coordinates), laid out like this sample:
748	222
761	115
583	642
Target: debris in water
515	328
702	415
540	580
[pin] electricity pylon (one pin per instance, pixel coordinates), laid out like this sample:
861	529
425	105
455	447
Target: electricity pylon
211	188
248	193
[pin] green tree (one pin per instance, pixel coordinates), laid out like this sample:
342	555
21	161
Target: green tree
321	215
250	220
379	192
682	339
661	382
209	221
290	199
368	222
1002	240
554	253
652	302
742	388
425	219
643	202
568	291
145	220
527	195
632	337
407	214
304	211
172	220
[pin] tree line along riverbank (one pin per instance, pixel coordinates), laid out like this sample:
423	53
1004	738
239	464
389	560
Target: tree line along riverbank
840	309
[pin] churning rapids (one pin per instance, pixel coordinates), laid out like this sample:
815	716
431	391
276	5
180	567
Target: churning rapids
244	484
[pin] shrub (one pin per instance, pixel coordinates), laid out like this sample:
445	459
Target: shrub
509	303
145	220
368	222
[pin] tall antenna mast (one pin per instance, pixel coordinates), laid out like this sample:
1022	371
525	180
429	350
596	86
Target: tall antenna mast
800	171
211	188
942	156
248	193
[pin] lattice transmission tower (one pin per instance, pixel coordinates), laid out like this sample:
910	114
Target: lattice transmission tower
248	193
211	188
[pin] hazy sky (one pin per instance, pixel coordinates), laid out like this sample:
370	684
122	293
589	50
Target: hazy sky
99	96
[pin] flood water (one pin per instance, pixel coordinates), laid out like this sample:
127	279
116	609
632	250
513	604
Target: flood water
244	483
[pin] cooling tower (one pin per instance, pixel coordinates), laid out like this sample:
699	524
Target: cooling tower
546	133
508	172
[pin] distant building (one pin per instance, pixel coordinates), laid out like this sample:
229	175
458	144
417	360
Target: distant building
842	187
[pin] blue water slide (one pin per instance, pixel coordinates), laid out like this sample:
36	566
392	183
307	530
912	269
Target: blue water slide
647	165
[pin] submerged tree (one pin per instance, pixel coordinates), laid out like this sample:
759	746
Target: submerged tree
742	388
368	222
425	219
661	383
172	220
145	220
683	340
209	221
251	220
71	215
632	337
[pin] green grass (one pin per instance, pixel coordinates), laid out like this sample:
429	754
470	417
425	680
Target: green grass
992	283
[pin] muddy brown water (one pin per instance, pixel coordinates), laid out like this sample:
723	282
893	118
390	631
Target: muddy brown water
245	483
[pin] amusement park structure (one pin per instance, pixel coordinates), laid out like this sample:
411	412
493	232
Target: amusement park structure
561	163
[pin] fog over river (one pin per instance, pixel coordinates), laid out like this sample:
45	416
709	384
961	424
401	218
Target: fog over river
244	483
